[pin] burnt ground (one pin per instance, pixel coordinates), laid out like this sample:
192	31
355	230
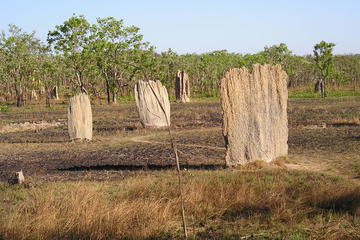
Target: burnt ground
324	135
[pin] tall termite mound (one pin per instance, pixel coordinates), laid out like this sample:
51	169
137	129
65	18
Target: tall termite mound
152	102
80	123
182	87
254	104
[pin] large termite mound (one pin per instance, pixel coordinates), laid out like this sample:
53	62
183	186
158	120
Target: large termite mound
153	104
254	104
80	123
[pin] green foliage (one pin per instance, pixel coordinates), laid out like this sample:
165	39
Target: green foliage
20	51
71	41
116	50
207	69
277	54
108	57
347	68
324	58
4	108
331	93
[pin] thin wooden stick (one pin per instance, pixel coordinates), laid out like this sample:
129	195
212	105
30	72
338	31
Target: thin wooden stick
173	146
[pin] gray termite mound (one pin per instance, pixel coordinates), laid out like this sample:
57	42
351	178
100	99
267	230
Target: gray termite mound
148	96
80	123
182	87
255	125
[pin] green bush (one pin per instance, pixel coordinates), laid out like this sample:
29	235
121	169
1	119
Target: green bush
5	108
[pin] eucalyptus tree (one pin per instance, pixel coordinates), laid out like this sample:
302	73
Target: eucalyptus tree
277	54
324	60
116	49
71	40
20	52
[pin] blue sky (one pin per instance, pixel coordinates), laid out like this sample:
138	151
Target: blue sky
201	26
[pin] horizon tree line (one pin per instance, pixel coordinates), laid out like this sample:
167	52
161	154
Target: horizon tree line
108	57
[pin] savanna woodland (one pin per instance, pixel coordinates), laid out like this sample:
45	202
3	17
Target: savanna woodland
123	183
106	59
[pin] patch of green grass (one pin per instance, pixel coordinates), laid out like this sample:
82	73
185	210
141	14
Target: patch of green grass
126	98
330	93
172	97
5	108
207	95
292	94
202	98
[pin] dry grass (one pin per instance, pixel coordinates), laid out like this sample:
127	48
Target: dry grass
84	211
147	207
346	121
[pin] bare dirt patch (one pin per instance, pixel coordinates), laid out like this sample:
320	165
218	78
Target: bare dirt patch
32	126
122	148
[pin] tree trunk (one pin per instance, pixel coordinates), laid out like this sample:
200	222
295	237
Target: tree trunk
80	81
48	96
322	88
19	96
317	86
320	85
48	103
53	92
20	100
107	88
56	92
108	92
